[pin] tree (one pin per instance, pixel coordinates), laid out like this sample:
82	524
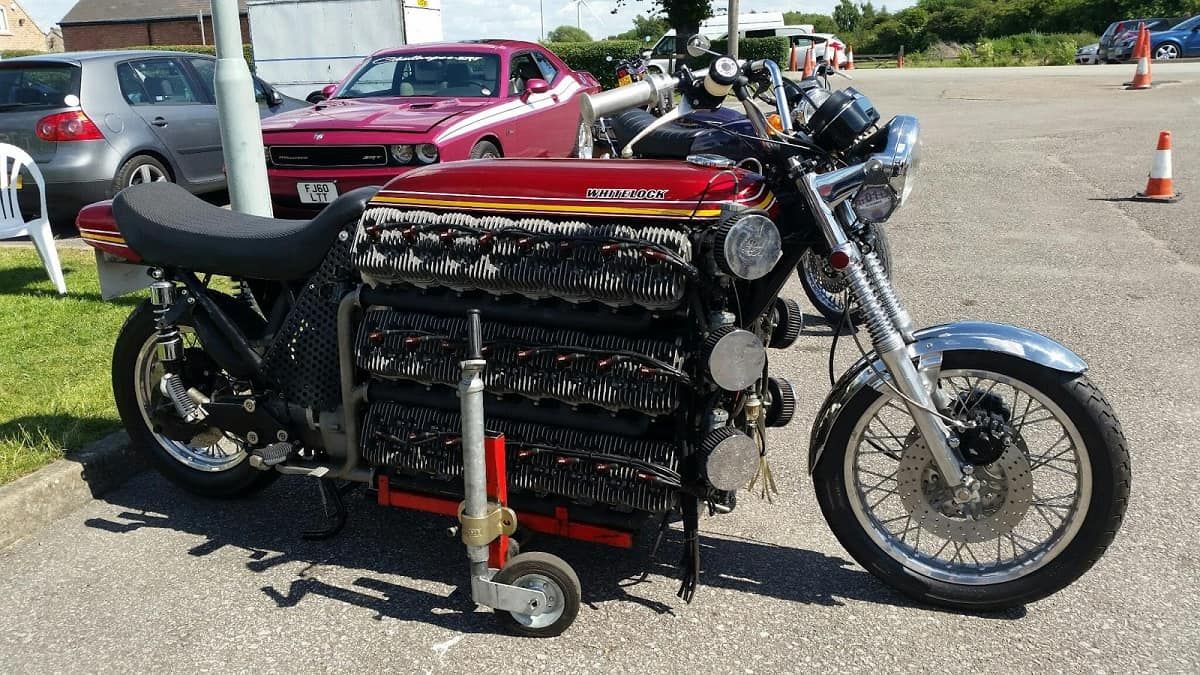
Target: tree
644	26
568	34
846	16
821	23
682	15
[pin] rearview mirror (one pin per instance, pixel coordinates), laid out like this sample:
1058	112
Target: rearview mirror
698	45
537	86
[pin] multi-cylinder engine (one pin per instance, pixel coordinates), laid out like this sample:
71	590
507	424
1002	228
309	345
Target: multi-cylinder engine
609	330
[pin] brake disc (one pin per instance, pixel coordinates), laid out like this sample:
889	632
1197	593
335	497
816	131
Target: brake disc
1005	491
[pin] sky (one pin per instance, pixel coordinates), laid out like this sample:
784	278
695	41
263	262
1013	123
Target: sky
521	19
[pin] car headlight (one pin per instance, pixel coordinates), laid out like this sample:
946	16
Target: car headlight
427	153
401	154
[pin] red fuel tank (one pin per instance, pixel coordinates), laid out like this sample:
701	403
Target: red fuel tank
583	188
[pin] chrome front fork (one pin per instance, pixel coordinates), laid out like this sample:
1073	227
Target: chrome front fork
891	331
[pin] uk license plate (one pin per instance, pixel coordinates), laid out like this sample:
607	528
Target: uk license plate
316	193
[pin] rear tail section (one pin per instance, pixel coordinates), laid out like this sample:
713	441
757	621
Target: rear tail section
98	228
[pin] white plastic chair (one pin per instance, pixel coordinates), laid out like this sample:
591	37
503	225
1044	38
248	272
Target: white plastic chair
13	224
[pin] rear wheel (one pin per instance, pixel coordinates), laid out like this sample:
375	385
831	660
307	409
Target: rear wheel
1167	51
485	150
140	169
211	463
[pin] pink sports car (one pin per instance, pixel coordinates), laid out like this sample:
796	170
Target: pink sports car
412	106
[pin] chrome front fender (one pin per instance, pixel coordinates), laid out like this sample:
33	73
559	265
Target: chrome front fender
929	344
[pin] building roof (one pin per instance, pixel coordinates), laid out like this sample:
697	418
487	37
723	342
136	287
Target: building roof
124	11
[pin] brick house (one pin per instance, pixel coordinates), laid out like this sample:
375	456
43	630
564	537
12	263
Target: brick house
18	30
113	24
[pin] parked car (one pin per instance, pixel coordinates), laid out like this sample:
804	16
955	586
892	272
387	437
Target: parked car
96	122
1087	55
1116	42
408	107
1179	41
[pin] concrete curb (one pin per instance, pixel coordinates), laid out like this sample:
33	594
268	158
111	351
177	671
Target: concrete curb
34	501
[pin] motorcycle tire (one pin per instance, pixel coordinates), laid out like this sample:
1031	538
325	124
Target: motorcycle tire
826	292
234	479
1082	541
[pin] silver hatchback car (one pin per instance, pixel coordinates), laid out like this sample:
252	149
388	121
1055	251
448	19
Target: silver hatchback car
97	122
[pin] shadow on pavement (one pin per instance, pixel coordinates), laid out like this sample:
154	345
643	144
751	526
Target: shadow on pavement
391	542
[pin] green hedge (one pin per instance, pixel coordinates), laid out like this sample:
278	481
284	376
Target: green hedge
751	49
14	53
590	56
210	50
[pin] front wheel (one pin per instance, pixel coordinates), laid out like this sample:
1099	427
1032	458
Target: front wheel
210	463
1046	502
827	289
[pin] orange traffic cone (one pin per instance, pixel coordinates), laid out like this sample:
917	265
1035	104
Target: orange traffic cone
793	63
849	58
900	57
1160	187
1141	77
810	62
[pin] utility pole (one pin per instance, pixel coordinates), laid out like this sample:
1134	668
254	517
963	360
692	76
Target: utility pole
542	20
733	29
241	133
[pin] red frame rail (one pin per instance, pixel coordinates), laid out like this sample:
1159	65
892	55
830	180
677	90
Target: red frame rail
559	524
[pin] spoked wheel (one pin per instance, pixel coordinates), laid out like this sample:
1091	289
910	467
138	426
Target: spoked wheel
210	462
1050	486
827	289
550	575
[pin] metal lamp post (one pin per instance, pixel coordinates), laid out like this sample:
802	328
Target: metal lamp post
237	111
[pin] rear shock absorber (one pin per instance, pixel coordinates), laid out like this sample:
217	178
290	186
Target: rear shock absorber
169	348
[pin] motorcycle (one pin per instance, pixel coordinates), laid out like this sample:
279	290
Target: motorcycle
628	71
607	324
724	132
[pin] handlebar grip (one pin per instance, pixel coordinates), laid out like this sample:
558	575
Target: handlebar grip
644	92
755	67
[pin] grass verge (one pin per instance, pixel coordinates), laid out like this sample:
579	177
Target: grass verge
55	353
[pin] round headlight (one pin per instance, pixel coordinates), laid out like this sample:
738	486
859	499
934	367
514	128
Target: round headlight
748	247
875	203
914	165
402	154
427	153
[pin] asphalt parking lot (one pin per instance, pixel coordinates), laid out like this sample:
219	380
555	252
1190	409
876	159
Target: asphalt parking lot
1018	219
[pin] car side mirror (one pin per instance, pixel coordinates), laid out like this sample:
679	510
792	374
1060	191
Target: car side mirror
535	86
327	90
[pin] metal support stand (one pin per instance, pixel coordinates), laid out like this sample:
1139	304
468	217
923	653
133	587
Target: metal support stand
486	525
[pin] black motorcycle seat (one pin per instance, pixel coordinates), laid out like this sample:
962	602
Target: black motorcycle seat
170	227
671	141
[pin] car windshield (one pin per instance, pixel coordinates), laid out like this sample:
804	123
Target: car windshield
462	74
38	85
1188	24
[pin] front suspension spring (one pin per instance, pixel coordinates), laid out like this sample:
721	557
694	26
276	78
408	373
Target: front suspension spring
886	294
883	333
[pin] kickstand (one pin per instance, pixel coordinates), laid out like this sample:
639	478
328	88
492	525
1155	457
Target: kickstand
334	509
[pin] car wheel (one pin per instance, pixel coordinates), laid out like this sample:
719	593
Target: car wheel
485	150
1166	51
584	143
138	170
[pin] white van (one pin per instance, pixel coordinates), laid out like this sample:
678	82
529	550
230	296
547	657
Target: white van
660	57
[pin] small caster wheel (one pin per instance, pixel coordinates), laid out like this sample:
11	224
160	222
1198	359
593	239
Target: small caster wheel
550	575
